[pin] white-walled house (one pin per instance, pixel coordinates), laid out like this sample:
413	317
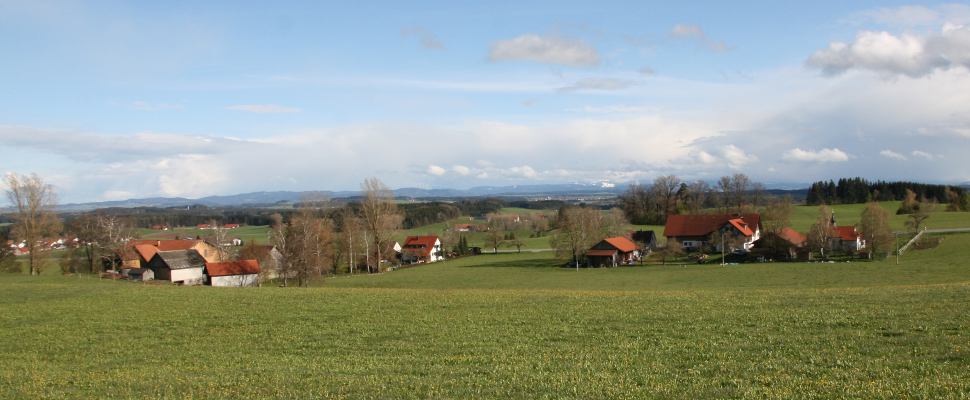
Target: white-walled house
178	266
232	273
694	232
421	249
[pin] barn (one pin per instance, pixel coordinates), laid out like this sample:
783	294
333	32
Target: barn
232	273
613	251
182	267
141	274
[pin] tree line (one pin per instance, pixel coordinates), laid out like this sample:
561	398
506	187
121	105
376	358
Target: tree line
859	190
669	195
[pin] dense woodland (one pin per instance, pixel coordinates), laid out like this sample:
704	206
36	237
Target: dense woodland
859	190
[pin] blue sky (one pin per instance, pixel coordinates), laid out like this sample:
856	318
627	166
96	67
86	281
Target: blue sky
111	100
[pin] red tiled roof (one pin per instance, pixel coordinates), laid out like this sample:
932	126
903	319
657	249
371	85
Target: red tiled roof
241	267
704	224
230	226
147	248
792	236
847	233
621	243
420	244
741	226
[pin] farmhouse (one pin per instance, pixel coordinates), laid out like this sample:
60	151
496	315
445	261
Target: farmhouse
846	238
787	243
138	253
178	266
696	232
232	273
463	227
611	252
422	249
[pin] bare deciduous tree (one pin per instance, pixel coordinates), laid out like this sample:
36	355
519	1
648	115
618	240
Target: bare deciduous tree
875	229
381	219
579	228
349	245
919	216
665	188
820	233
739	190
102	238
696	196
615	223
309	241
33	201
777	215
725	188
495	236
279	237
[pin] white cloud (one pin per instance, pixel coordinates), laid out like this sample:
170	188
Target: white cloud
524	171
436	170
461	170
892	155
706	157
646	71
925	155
821	156
599	84
263	108
905	54
546	50
696	33
736	157
426	38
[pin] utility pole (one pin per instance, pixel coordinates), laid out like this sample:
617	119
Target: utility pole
896	239
723	262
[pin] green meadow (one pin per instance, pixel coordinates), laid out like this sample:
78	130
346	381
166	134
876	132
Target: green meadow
505	326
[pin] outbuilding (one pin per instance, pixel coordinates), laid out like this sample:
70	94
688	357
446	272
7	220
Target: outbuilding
141	274
613	251
182	267
232	273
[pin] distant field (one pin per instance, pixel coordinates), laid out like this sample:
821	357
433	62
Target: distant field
248	233
850	214
505	326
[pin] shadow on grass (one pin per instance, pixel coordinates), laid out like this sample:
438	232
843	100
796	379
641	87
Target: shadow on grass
484	261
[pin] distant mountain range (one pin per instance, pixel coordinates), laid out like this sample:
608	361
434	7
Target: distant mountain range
253	199
278	197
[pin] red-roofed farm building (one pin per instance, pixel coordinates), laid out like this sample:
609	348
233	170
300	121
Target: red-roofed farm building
138	253
421	249
232	273
613	251
696	232
847	238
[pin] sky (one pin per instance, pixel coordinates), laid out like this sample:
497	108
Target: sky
113	100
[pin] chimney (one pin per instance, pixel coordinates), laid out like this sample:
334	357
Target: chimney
158	243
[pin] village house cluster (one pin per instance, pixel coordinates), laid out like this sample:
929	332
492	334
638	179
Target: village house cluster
183	262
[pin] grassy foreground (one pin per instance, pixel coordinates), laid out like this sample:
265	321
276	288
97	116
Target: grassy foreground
505	326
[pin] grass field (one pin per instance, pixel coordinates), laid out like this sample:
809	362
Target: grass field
505	326
248	233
